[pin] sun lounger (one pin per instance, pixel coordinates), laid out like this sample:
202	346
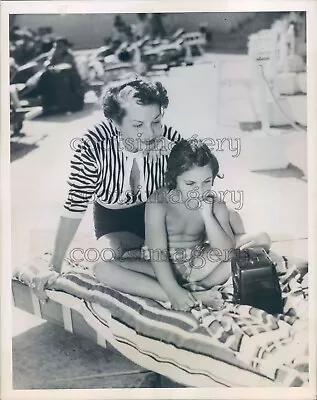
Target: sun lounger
238	346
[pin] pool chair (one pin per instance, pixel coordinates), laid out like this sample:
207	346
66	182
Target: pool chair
237	346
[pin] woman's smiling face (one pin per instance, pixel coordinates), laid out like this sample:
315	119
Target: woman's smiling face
141	125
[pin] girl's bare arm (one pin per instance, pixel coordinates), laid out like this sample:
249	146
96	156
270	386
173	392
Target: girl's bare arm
218	230
156	241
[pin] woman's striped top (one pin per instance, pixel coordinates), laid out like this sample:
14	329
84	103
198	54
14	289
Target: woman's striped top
100	170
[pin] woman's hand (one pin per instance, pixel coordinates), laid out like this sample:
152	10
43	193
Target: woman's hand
42	280
181	299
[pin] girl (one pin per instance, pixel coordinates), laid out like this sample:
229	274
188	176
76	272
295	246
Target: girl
189	236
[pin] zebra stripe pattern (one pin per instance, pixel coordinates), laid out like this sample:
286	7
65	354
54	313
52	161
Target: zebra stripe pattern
98	167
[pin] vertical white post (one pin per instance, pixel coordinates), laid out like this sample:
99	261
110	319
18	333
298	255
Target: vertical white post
36	304
263	99
67	319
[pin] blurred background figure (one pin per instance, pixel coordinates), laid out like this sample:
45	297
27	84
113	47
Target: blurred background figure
52	79
297	28
46	39
60	84
16	117
206	32
14	96
157	26
25	44
121	31
22	44
143	26
61	53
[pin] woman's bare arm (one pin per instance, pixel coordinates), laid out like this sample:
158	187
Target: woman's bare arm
65	234
66	231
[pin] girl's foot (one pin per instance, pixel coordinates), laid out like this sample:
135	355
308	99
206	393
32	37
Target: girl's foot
210	298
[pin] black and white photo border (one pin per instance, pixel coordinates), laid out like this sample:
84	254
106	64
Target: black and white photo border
65	7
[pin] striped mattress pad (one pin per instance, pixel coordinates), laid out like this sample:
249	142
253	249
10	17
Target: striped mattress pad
238	346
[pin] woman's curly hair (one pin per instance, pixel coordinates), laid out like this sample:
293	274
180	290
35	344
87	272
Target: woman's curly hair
187	154
145	93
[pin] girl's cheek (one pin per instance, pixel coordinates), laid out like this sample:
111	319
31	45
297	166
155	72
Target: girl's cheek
158	130
207	186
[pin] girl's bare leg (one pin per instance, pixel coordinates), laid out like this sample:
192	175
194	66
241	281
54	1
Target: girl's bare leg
135	277
218	276
132	277
210	297
208	266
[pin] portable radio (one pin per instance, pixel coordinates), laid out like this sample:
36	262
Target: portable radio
255	280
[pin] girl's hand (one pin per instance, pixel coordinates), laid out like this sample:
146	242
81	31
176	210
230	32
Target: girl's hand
181	300
206	208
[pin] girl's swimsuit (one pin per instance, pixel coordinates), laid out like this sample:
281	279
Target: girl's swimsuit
188	263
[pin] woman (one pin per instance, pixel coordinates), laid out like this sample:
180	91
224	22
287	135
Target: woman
119	163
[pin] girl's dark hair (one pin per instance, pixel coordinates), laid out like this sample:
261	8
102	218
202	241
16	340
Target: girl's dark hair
187	154
145	93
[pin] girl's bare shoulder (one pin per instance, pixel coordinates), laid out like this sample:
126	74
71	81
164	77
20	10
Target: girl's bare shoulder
156	208
159	197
